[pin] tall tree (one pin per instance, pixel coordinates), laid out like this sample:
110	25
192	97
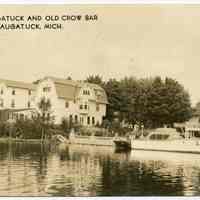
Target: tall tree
178	102
96	79
44	106
113	92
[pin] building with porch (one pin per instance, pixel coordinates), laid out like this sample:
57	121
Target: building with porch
77	101
16	99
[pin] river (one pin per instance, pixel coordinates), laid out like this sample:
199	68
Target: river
28	169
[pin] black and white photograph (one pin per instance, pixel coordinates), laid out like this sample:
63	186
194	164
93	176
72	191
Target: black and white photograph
100	100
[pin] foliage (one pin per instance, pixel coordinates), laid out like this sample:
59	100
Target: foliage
152	102
69	78
45	117
96	79
4	129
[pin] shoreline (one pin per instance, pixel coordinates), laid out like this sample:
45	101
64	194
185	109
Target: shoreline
23	140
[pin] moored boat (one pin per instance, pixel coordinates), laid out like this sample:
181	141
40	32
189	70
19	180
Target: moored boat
166	139
122	143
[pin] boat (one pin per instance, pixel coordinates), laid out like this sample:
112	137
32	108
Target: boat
122	143
168	140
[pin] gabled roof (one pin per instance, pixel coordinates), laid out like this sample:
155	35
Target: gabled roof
18	84
69	89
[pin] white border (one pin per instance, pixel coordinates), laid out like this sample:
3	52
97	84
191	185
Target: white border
120	2
54	2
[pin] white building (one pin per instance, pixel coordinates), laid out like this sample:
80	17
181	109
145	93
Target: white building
16	97
80	102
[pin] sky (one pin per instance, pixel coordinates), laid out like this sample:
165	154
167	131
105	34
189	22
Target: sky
137	40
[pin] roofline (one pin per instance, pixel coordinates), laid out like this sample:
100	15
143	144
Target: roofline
11	83
26	88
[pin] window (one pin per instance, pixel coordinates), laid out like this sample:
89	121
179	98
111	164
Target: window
29	104
29	92
66	104
86	92
86	106
10	115
97	107
16	116
21	116
13	103
46	89
81	120
93	121
81	107
13	92
88	120
70	118
1	91
1	102
76	119
48	116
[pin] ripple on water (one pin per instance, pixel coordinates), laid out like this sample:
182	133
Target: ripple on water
28	170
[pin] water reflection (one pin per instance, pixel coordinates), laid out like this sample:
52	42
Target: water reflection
77	170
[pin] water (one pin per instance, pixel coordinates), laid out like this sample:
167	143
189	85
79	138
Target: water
76	170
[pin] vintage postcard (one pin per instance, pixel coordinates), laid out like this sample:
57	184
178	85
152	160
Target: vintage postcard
99	100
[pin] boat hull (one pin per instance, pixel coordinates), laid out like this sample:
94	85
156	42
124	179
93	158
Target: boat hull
122	145
181	146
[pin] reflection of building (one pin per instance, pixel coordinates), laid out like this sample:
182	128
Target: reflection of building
16	96
81	175
80	102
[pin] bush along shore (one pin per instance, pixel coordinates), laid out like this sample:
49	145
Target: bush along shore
35	130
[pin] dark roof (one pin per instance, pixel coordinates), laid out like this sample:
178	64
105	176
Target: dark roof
18	84
69	89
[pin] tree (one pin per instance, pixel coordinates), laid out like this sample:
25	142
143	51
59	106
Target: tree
44	106
69	78
196	109
152	102
112	88
156	104
178	102
96	79
129	91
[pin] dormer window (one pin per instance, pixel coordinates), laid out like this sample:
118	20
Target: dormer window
86	92
13	92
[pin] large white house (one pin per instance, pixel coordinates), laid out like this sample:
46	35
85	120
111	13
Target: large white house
78	101
15	96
